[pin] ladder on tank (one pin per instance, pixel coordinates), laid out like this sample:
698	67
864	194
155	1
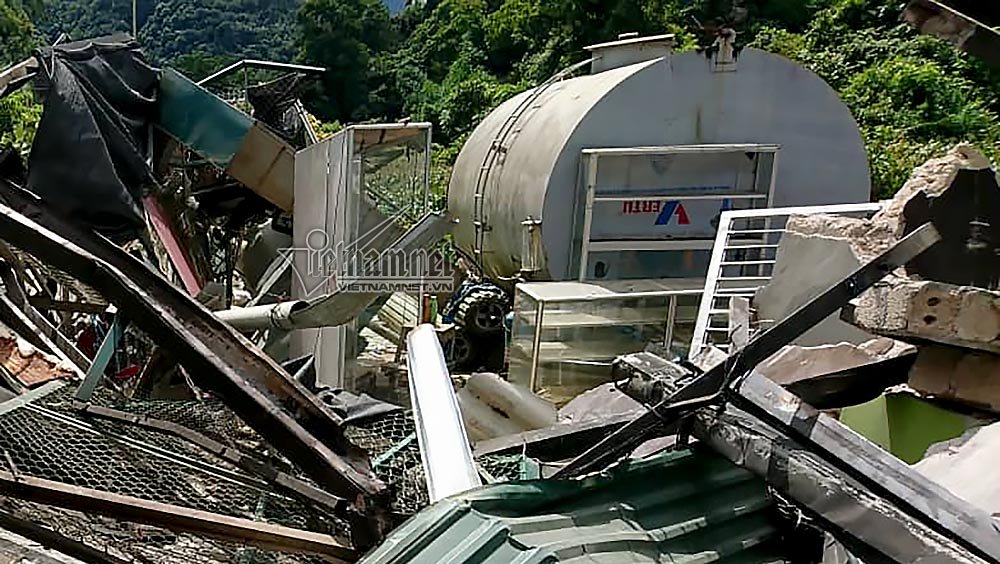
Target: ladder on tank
496	148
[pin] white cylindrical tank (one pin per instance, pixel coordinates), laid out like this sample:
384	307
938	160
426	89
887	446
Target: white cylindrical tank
524	164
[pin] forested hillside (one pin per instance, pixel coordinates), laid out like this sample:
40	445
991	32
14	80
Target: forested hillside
184	30
451	61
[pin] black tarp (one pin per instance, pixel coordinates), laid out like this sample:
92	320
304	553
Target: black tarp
88	159
274	104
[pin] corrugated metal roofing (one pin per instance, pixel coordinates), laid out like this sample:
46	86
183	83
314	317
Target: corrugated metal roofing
683	508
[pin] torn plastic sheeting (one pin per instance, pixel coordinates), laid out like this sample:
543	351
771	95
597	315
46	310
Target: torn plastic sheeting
355	409
88	159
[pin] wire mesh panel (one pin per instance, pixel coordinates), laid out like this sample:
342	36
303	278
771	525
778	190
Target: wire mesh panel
392	446
44	438
37	443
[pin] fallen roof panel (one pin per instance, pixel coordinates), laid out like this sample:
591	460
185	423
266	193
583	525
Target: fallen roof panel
688	505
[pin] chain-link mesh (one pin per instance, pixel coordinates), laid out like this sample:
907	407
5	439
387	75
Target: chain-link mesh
120	459
390	442
392	446
46	438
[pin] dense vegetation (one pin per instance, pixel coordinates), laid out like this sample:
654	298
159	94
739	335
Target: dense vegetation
192	34
451	61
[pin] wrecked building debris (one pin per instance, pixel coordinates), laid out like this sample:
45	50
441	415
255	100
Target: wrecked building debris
236	342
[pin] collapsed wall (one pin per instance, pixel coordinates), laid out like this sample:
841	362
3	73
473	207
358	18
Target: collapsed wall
945	301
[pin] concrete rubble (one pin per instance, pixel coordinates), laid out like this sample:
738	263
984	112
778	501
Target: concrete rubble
930	311
958	465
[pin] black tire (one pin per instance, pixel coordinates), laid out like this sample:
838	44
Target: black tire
458	351
482	312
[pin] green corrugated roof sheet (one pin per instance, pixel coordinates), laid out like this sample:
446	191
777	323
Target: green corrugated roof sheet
199	119
683	508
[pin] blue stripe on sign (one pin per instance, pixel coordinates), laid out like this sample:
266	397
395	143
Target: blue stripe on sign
666	213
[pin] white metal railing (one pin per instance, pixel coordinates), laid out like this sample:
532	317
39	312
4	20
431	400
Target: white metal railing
743	259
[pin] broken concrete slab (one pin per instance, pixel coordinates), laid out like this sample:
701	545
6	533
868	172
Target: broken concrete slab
829	245
954	374
841	375
931	179
961	316
794	363
957	192
961	465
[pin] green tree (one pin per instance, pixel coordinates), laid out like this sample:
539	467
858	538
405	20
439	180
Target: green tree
17	33
172	30
19	114
913	95
342	36
198	65
19	117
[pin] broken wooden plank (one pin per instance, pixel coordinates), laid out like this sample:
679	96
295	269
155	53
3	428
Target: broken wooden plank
173	517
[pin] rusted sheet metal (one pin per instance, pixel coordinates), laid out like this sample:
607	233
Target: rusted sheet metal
28	364
173	517
215	354
266	165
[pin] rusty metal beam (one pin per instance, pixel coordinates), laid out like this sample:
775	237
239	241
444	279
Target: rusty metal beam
45	302
173	517
215	354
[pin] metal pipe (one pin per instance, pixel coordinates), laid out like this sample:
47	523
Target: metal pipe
444	446
263	316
